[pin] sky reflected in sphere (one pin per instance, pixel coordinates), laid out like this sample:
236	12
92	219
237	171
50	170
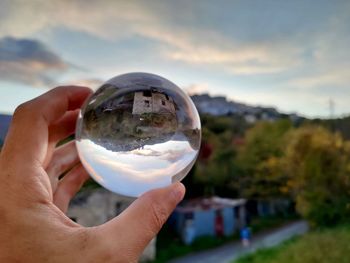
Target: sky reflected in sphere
138	132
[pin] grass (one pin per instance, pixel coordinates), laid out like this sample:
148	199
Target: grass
322	246
259	224
169	246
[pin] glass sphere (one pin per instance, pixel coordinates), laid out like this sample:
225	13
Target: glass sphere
138	132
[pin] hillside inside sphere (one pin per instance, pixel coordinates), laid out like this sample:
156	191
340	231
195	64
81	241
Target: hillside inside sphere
138	132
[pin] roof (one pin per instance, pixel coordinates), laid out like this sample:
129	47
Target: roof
209	203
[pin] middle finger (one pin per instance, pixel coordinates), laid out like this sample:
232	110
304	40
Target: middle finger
64	158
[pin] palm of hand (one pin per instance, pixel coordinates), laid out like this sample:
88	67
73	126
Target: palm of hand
33	226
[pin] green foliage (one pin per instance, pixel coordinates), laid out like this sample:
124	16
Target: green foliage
219	169
309	164
259	160
318	166
169	249
219	124
262	223
323	246
341	125
266	255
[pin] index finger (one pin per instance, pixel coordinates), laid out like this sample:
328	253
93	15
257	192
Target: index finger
27	139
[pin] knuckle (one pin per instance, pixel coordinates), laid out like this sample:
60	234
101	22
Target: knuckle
26	109
21	109
60	87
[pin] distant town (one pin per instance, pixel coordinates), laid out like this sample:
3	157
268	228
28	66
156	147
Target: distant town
206	104
220	106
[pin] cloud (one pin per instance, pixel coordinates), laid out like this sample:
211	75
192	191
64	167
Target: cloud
283	47
227	54
106	19
198	88
28	61
333	78
92	83
185	42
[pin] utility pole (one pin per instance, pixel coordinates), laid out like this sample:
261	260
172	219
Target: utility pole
331	114
331	109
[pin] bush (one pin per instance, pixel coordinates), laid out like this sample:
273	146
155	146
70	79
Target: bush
317	163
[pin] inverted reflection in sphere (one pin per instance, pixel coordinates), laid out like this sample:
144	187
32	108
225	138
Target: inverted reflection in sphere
138	132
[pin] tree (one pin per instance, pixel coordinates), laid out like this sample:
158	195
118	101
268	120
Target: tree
216	167
317	163
259	160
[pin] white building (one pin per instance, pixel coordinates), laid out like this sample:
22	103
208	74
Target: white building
148	101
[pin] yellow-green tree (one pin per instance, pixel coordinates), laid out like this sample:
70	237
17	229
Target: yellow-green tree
261	173
317	163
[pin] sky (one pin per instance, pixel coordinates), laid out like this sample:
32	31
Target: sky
292	55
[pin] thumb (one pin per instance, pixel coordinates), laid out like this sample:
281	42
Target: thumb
141	222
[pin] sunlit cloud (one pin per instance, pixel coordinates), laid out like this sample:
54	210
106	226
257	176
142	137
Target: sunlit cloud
271	52
236	59
198	88
92	83
333	78
110	20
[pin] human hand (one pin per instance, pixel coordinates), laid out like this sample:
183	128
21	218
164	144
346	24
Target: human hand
33	200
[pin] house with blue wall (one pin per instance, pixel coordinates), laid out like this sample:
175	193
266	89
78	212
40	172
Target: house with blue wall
208	217
4	125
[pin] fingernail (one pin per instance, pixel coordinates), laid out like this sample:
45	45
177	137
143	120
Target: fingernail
178	191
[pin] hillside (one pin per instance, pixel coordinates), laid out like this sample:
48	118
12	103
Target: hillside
221	106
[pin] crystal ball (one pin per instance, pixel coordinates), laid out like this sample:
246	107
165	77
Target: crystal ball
138	132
